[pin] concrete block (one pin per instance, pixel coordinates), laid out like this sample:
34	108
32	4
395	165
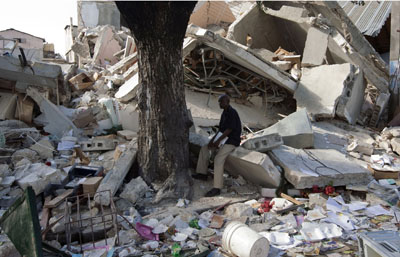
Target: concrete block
295	130
312	92
305	168
8	104
352	99
134	190
315	50
98	145
44	148
263	143
253	166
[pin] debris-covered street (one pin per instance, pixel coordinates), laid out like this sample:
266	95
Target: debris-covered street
273	131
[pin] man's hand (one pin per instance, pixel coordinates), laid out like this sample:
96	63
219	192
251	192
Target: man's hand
212	144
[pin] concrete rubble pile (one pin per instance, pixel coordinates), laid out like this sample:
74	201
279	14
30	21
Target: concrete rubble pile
316	170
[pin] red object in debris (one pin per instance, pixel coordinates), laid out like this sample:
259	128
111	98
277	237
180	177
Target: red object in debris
266	206
316	189
329	190
48	163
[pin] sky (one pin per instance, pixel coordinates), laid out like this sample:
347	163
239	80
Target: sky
41	18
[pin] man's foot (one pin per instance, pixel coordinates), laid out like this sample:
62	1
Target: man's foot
213	192
200	176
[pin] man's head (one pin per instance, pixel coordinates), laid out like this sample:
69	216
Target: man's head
223	101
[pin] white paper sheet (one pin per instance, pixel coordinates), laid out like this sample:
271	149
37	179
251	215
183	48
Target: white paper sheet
332	205
377	210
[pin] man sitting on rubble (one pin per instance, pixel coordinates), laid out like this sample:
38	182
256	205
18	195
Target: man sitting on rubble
224	142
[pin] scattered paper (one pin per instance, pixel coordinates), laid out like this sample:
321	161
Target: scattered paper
314	214
356	206
342	220
160	228
178	237
313	232
377	210
332	205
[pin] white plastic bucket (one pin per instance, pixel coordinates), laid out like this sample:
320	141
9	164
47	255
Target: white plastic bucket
242	241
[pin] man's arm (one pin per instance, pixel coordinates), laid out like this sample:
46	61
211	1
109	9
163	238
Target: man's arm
211	143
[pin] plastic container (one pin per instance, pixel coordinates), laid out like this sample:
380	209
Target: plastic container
242	241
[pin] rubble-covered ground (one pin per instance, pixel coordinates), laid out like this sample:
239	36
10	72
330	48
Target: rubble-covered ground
316	172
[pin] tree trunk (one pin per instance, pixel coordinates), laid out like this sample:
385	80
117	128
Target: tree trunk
159	29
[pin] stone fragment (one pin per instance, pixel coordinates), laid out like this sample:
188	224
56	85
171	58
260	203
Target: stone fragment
38	176
44	148
295	130
253	166
134	190
238	210
27	154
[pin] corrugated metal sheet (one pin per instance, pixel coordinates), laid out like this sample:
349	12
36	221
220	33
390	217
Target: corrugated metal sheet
368	18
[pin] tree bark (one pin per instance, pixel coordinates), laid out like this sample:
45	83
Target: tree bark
163	145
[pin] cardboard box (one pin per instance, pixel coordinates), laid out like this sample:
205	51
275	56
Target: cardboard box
91	184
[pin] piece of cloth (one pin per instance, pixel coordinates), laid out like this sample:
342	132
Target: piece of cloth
230	120
219	161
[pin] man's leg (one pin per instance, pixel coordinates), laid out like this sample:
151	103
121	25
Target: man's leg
203	161
219	162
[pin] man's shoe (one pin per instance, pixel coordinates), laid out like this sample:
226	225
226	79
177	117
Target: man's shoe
200	176
213	192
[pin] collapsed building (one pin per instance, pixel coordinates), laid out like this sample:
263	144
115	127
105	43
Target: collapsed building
313	96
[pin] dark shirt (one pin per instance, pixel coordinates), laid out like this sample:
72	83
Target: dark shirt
230	120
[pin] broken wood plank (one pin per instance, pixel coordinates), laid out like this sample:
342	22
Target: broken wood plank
56	201
291	199
44	220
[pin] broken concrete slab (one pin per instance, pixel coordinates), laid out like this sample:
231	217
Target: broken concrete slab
353	45
129	117
58	123
130	46
39	176
81	49
239	54
40	74
306	168
263	143
351	102
319	102
134	190
123	64
106	46
114	178
253	166
316	45
8	104
44	148
295	130
127	134
129	89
